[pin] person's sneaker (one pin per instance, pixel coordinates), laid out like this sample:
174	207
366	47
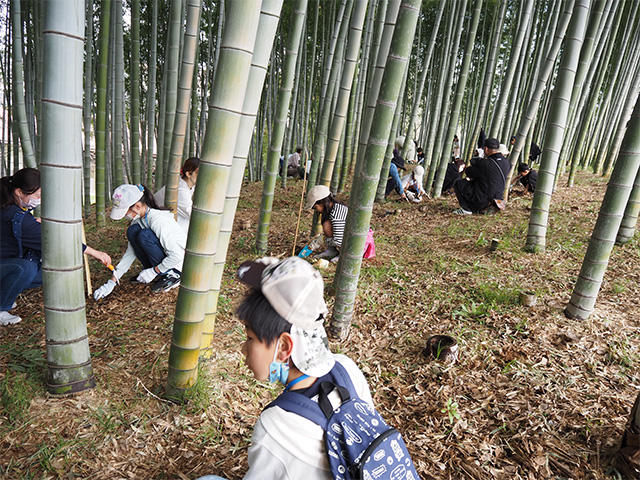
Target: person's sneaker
7	319
166	282
461	211
335	259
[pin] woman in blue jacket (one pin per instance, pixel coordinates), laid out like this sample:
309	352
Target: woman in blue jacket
21	240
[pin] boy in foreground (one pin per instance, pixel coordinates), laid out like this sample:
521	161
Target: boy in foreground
283	314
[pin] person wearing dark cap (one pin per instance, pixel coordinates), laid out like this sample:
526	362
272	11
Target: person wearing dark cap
527	177
485	181
283	316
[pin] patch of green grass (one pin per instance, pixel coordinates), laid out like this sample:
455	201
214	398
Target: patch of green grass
23	381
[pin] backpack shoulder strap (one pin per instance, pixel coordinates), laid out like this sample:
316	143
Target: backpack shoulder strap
301	405
318	412
341	377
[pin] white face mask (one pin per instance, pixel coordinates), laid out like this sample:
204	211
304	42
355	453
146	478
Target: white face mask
33	202
128	216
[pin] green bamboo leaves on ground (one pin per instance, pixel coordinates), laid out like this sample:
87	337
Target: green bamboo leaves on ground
604	234
367	176
68	358
208	200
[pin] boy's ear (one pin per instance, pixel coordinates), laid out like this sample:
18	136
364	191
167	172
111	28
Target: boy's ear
285	346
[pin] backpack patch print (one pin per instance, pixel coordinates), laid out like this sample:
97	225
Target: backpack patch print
357	436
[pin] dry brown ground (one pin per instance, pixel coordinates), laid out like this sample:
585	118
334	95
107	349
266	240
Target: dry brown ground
537	395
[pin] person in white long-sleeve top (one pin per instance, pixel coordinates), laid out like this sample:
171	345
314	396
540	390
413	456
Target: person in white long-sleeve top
186	186
155	238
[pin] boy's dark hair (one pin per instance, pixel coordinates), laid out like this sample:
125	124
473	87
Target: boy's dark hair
256	313
298	149
26	179
523	167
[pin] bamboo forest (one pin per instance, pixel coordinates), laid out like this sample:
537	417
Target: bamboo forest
384	157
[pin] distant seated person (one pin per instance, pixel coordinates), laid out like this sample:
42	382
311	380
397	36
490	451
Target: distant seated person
410	154
394	183
294	169
454	172
420	156
333	216
482	191
412	184
186	187
527	177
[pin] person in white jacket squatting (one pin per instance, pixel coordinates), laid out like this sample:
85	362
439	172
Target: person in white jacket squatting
155	238
186	186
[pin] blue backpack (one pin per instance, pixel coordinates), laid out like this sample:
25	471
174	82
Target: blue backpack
359	443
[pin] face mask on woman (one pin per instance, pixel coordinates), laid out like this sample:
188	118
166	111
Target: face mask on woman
33	202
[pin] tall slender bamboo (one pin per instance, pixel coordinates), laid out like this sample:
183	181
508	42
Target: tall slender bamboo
151	92
118	95
68	359
227	96
277	135
170	93
101	109
88	97
554	132
424	65
19	109
457	98
135	91
630	217
332	68
516	47
604	234
351	58
534	102
366	181
194	9
269	16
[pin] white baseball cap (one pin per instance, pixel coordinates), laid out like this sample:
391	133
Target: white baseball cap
317	193
295	290
123	198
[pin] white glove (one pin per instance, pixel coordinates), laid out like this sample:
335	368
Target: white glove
104	290
147	275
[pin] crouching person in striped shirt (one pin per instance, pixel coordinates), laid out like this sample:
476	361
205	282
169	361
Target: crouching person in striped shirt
333	214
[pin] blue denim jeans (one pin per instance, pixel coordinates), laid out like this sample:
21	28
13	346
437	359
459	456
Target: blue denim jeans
16	275
146	245
393	171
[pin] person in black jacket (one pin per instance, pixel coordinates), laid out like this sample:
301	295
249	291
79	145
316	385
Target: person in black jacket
527	177
485	180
